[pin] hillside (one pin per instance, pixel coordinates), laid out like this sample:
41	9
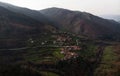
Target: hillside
16	27
83	23
31	13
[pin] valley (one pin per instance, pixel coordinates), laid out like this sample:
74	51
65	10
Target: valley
54	55
57	42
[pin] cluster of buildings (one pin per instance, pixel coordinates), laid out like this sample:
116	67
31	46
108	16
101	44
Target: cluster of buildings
65	41
69	52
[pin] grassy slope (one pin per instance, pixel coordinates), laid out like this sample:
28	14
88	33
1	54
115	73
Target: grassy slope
109	65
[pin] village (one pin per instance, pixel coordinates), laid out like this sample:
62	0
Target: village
67	43
69	53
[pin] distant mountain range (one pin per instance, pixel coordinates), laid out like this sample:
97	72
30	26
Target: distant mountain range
17	22
114	17
83	23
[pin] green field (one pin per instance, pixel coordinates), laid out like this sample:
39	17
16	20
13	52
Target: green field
108	64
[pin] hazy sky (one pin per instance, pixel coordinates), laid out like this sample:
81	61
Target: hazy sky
97	7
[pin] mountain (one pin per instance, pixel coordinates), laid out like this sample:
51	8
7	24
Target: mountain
18	24
31	13
83	23
16	28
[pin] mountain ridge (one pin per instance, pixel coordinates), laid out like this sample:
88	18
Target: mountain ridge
82	22
28	12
